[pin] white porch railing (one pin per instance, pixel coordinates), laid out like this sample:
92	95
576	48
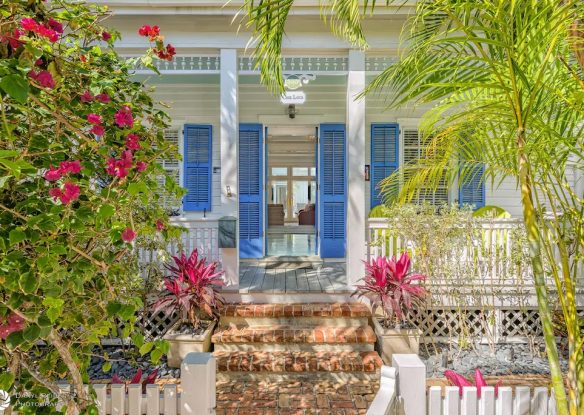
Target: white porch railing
412	397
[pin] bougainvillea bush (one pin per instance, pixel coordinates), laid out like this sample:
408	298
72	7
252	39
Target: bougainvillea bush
78	192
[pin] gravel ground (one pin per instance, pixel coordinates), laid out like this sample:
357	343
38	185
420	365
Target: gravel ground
507	359
126	368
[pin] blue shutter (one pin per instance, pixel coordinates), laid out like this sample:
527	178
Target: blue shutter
251	241
198	151
384	157
332	191
472	189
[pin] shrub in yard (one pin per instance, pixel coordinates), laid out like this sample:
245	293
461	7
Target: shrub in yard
192	289
78	191
389	285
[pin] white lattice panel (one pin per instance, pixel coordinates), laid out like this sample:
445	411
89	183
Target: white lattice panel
520	323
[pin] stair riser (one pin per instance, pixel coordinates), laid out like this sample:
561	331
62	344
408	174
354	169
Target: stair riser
295	321
338	377
293	347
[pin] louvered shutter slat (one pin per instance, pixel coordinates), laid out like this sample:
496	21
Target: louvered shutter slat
472	188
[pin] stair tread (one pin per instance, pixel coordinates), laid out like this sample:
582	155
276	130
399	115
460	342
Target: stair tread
294	334
296	310
298	362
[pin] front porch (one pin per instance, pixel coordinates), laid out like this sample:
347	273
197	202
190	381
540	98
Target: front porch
293	276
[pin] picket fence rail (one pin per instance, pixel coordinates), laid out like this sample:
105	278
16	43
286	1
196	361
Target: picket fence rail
403	391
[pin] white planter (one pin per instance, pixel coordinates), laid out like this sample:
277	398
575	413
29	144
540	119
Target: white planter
183	344
390	341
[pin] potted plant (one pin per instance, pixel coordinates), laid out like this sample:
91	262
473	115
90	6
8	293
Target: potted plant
394	291
192	292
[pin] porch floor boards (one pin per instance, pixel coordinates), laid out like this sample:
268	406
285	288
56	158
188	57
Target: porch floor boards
322	278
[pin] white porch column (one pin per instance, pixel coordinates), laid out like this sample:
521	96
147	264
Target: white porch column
356	214
229	121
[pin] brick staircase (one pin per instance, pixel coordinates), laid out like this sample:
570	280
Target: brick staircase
296	341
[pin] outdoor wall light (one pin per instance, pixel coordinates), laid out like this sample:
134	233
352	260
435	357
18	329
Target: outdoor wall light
228	191
292	111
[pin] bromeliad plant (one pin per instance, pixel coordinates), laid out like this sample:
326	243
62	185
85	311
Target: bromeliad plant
137	379
389	285
192	289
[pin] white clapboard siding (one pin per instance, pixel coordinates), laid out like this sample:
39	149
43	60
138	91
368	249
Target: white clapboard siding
521	401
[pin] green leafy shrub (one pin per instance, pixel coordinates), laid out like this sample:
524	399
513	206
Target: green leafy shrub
78	193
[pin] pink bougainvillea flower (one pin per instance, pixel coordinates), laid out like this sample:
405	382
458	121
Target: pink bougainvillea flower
72	167
144	30
44	78
83	58
39	62
55	193
103	98
133	141
98	130
53	174
120	167
86	97
159	225
141	166
153	33
12	38
55	25
128	235
106	36
28	23
166	54
70	193
48	33
10	325
124	118
94	119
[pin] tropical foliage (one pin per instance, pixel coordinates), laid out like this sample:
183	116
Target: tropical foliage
78	173
505	80
391	286
192	288
458	380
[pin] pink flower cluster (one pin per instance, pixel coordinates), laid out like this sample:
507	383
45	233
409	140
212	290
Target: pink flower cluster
10	324
67	194
120	167
128	235
152	32
153	35
133	141
65	167
88	97
124	118
44	78
51	30
13	39
96	120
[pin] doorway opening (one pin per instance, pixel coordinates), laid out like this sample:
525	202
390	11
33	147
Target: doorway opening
291	191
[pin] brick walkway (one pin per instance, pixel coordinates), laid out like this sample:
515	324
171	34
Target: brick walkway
296	397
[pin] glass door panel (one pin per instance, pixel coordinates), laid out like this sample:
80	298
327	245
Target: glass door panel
303	192
280	194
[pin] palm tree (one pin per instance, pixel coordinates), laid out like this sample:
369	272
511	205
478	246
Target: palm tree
506	82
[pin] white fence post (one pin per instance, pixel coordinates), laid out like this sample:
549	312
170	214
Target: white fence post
385	397
198	372
411	382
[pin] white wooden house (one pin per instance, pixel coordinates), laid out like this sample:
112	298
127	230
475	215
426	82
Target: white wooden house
261	158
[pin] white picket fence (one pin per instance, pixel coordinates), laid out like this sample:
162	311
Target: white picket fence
198	395
403	391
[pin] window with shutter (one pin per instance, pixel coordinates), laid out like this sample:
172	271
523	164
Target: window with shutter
171	166
197	167
471	189
414	150
384	157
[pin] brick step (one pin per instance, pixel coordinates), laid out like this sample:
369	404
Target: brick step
294	338
307	315
298	362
